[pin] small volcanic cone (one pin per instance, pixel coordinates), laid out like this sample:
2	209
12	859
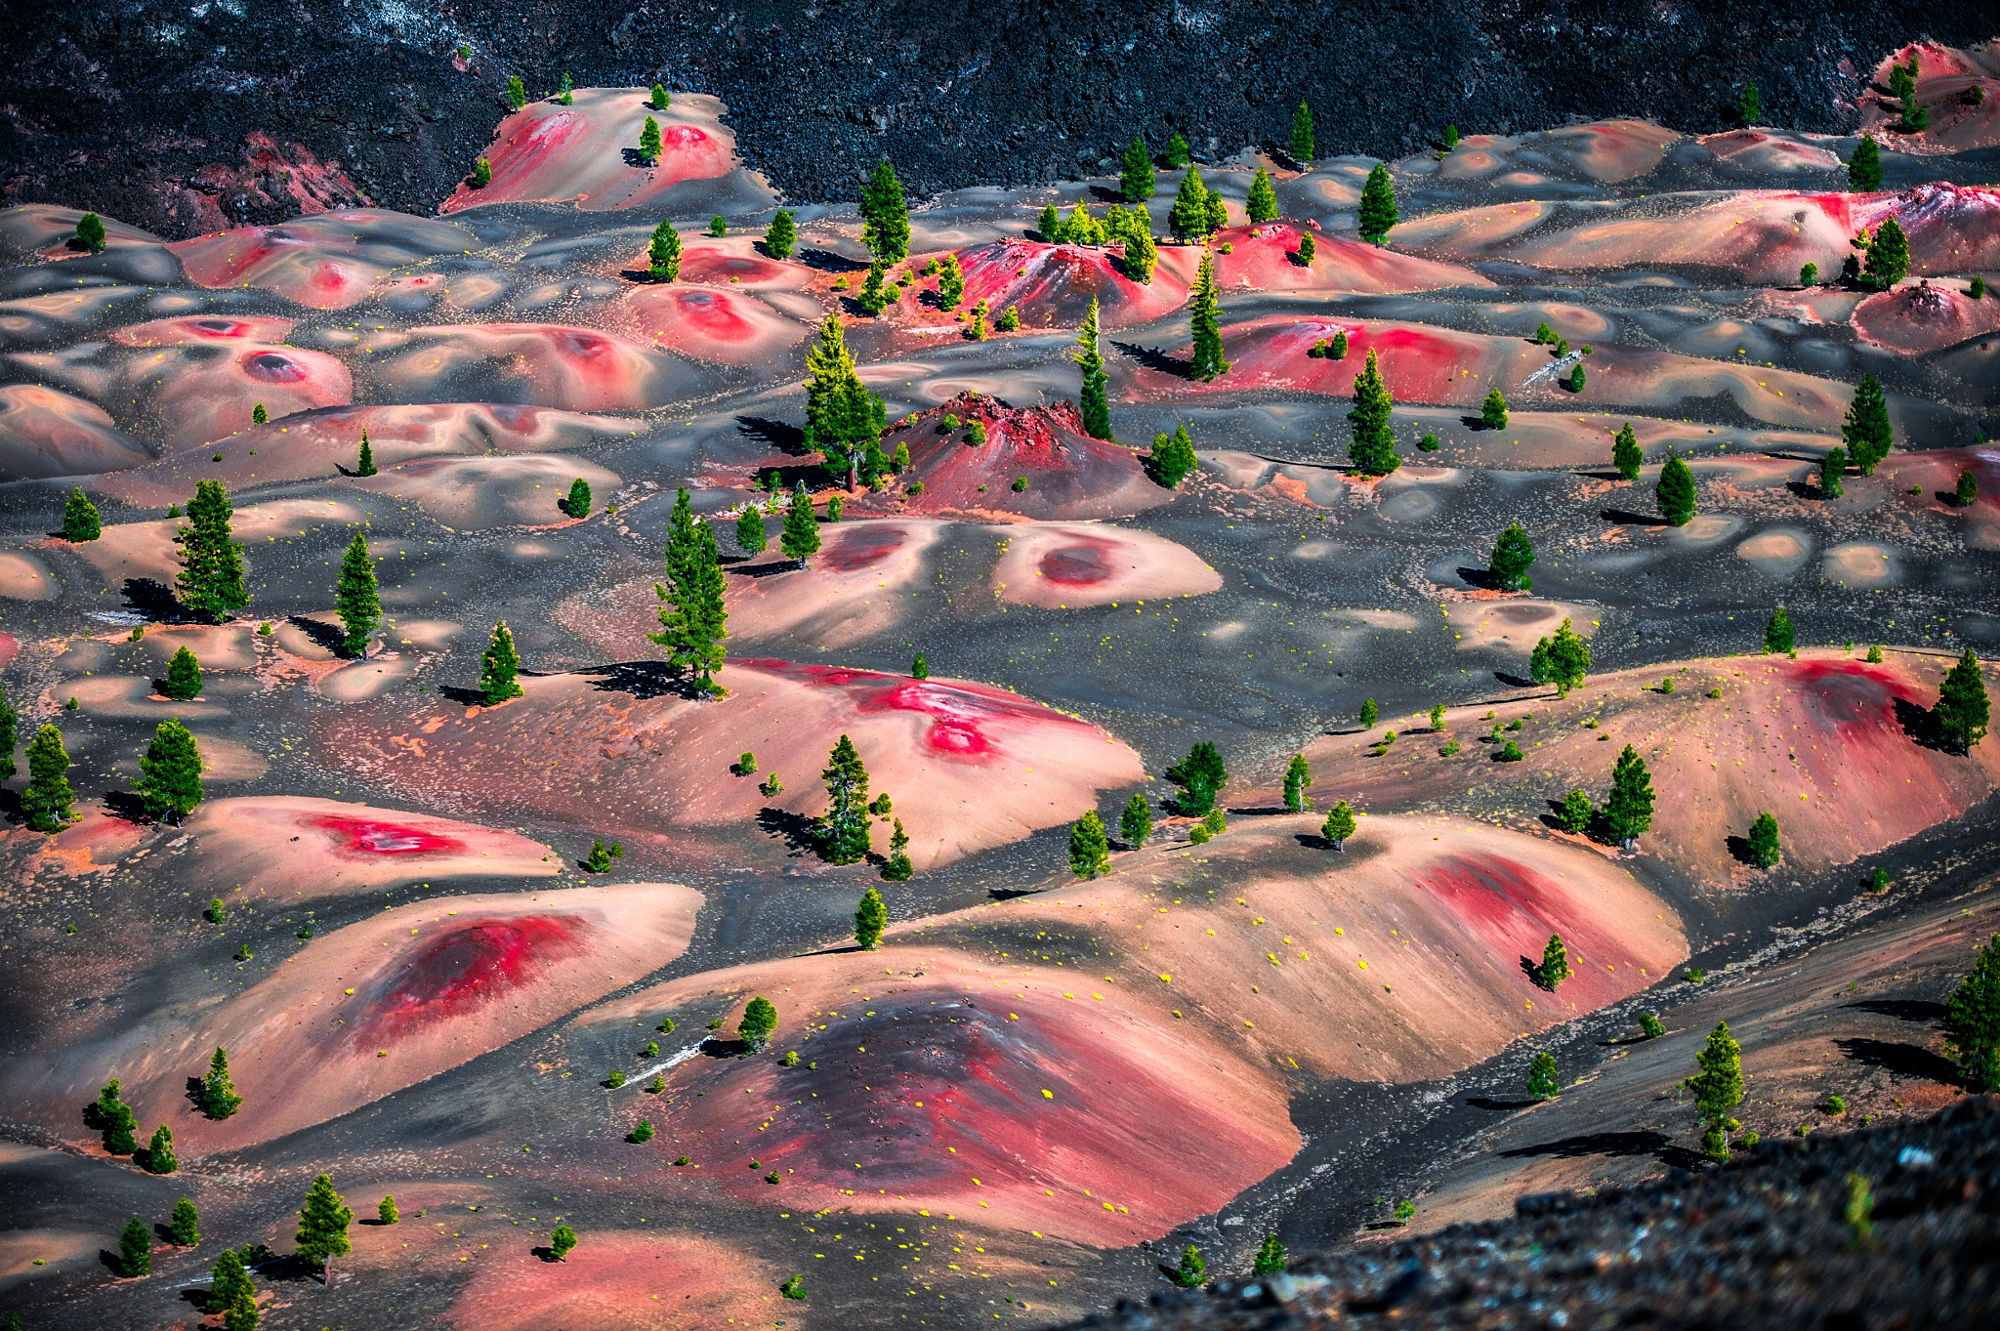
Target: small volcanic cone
1052	285
1924	318
1069	474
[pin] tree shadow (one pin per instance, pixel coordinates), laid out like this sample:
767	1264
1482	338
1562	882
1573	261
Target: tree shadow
1920	724
770	569
795	829
1514	681
644	680
780	435
1808	492
723	1046
1906	1060
194	1092
1312	841
1625	517
829	262
155	600
1902	1009
1740	851
1156	360
330	636
1484	579
127	806
1618	1145
1498	1106
461	695
1009	893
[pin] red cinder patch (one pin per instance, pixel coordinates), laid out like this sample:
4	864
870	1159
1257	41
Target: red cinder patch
273	367
368	836
860	546
468	966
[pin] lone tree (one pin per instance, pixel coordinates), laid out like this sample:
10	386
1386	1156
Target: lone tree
1625	453
1092	403
842	417
1972	1020
1135	824
885	216
218	1091
799	538
1373	450
364	462
577	502
1554	968
649	141
1261	205
90	233
1832	467
80	522
323	1222
1339	825
183	679
1676	492
158	1157
1187	220
1137	182
1270	1258
1304	150
210	584
169	783
1089	846
898	869
1176	155
115	1121
1778	636
1965	492
498	666
1298	776
1864	168
1764	847
658	98
385	1210
760	1019
1378	206
1866	429
694	621
1888	259
843	828
135	1248
45	803
1173	458
1205	320
356	599
184	1226
1561	659
663	255
750	535
1575	812
781	235
1543	1082
870	918
1963	709
1513	556
1200	776
1307	251
1749	103
562	1241
1718	1088
1493	410
1628	808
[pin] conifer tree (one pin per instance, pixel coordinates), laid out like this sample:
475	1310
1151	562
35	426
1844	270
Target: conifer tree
1089	847
1049	227
1137	182
874	297
579	499
1378	205
760	1019
898	869
951	277
1188	219
1866	429
1555	964
1205	320
9	719
1135	824
1575	812
885	216
1215	211
562	1242
781	235
229	1278
135	1248
842	416
1339	824
45	803
663	253
1493	410
1763	840
1966	491
80	521
1304	150
364	465
659	100
258	415
1192	1269
1888	260
498	666
184	1226
323	1222
1963	709
920	668
1628	809
1543	1081
386	1211
517	92
565	90
649	141
183	679
1176	155
1262	204
1749	103
1200	776
90	233
750	530
800	537
871	917
1626	454
1173	457
1373	450
210	584
1676	492
1972	1020
694	620
1092	400
1562	659
1832	467
843	828
356	599
160	1158
1513	556
1270	1258
1778	636
1718	1087
1298	778
169	784
115	1120
1369	712
1864	168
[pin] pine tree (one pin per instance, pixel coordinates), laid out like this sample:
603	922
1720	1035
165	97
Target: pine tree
750	531
1188	218
386	1211
1513	556
842	416
356	599
1262	204
169	784
135	1248
885	216
183	679
1555	964
1135	824
1270	1258
1373	450
1092	401
258	415
1972	1020
1304	150
1378	205
874	297
1298	778
1778	635
90	233
659	100
1369	713
1176	155
1575	812
1832	467
184	1226
498	666
1718	1086
1749	103
649	141
898	869
562	1241
1172	458
160	1157
843	828
115	1120
45	803
517	92
9	720
663	253
80	521
694	621
1963	709
1965	492
1215	211
781	235
211	577
1200	776
800	537
579	499
1864	168
1676	492
323	1222
1049	227
365	464
1543	1081
760	1019
1136	182
1089	847
1628	809
870	918
1866	429
1562	659
1888	259
1764	848
228	1278
1493	411
1192	1269
1339	824
599	858
1205	319
565	90
951	278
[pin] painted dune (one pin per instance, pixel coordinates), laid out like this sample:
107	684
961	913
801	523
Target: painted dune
45	432
1261	259
551	365
622	1280
1069	475
327	261
147	549
1052	285
730	327
1923	318
1064	565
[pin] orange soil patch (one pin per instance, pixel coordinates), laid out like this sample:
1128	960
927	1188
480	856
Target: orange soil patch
970	767
629	1280
1779	552
1059	566
1261	260
44	432
579	369
147	549
328	261
729	327
1925	317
